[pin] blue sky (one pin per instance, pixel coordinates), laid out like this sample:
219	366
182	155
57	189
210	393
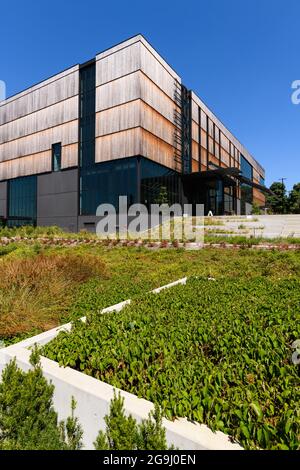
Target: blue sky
241	57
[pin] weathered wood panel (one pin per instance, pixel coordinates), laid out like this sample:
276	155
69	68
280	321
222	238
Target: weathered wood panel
157	72
46	118
155	123
229	136
40	142
69	156
259	197
134	86
225	142
195	166
195	151
36	98
119	91
31	165
154	148
195	131
152	94
225	157
120	63
135	57
120	145
119	118
204	157
203	138
134	114
210	145
195	112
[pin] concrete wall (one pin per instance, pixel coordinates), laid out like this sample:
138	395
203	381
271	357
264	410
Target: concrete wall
57	199
3	199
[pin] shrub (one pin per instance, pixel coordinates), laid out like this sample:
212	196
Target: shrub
217	353
123	433
36	290
28	420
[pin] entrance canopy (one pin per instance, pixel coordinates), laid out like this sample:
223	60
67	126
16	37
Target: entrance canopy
228	175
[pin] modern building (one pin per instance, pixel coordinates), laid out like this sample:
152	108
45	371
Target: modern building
120	124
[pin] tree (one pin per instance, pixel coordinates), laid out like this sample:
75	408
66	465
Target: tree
162	197
294	199
278	203
28	420
123	433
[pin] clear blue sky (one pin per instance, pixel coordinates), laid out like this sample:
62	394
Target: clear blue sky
240	56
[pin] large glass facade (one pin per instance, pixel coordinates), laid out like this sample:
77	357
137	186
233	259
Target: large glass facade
246	190
138	178
103	183
159	184
22	201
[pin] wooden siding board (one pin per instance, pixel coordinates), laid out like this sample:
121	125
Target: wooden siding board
24	166
47	95
40	142
41	120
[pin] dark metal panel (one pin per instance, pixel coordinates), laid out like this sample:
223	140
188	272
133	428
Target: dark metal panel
58	182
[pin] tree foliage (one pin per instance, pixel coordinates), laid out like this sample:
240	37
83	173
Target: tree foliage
28	420
294	199
123	433
281	202
278	203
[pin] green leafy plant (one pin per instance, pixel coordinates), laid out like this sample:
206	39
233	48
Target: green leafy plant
217	353
123	433
28	420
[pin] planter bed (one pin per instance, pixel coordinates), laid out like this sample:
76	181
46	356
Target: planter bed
217	353
93	397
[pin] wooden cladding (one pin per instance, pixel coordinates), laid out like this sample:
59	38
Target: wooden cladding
118	64
46	94
259	197
133	142
120	145
132	87
135	100
34	120
69	156
46	118
226	136
40	142
157	150
25	166
134	114
134	57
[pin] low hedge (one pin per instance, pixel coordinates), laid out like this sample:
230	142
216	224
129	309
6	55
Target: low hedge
217	352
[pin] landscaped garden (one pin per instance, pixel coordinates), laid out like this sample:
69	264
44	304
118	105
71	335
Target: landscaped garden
42	286
217	351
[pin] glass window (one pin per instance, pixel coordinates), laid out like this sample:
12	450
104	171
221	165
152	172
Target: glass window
246	168
103	183
246	190
22	201
157	179
56	157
